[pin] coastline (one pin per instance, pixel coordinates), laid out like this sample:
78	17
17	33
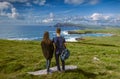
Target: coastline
88	33
77	35
19	57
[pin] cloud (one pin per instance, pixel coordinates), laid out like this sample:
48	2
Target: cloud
77	2
40	2
98	16
13	13
7	9
5	5
28	4
51	15
103	19
49	19
93	19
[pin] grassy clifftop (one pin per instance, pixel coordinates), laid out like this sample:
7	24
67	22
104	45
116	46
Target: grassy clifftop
114	31
96	58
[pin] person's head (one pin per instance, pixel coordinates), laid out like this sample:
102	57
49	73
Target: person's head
58	30
46	37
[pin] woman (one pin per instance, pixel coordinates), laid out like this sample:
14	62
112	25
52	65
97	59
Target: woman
47	49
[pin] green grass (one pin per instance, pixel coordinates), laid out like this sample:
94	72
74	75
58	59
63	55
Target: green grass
19	57
107	30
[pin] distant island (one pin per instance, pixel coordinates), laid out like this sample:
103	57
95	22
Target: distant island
69	25
82	26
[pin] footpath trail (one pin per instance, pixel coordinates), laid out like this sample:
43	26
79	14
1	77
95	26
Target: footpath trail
52	69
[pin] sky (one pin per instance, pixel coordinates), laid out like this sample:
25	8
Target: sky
50	12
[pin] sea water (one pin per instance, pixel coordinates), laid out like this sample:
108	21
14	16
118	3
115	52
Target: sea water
35	32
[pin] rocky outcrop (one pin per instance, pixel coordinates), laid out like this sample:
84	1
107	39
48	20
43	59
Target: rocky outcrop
77	32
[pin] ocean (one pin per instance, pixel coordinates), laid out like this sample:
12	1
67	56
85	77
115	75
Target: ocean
35	32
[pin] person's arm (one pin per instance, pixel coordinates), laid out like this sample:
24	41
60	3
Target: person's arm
64	43
54	45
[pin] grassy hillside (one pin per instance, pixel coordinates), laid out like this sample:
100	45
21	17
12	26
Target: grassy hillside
19	57
107	30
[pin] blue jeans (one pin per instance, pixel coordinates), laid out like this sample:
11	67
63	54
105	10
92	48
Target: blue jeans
57	56
48	64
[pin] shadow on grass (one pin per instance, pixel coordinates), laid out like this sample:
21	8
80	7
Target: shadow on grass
86	74
98	44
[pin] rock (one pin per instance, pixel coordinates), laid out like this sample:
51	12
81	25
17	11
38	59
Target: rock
79	39
74	32
96	59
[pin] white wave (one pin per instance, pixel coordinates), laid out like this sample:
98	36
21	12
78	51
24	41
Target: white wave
35	38
65	32
18	38
71	39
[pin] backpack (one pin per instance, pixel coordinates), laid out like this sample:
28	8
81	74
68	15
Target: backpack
65	54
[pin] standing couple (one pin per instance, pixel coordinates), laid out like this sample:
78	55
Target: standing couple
56	45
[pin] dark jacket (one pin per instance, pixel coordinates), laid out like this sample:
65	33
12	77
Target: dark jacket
47	49
59	44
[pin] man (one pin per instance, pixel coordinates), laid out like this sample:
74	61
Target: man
59	44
